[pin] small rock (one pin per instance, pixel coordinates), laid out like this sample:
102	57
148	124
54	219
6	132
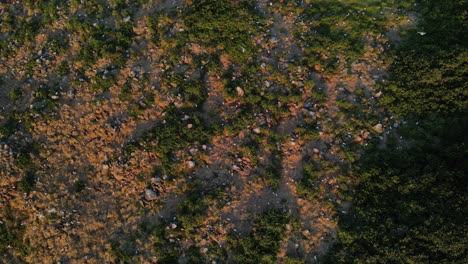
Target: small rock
155	180
377	95
317	68
189	126
126	19
204	250
190	164
306	232
173	226
150	195
257	130
235	168
203	147
316	150
239	91
358	139
165	177
378	128
105	167
365	134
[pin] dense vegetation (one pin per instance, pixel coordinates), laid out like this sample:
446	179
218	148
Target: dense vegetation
409	205
261	244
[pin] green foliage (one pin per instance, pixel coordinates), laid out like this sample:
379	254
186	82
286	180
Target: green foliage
155	27
63	68
121	253
172	135
200	195
26	150
223	24
15	94
338	28
26	184
79	185
26	29
409	205
58	44
11	235
308	185
100	41
271	172
262	244
167	252
397	214
46	98
102	82
429	71
428	82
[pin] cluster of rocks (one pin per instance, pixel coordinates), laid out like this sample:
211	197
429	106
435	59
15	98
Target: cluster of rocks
157	187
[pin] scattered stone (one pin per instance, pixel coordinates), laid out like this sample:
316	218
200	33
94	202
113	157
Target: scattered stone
377	95
257	130
316	150
306	233
235	168
190	164
150	195
358	139
126	19
204	250
189	126
173	226
239	91
317	68
203	147
365	134
165	177
155	180
105	167
378	128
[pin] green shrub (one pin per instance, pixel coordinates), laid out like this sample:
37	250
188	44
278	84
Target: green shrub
262	244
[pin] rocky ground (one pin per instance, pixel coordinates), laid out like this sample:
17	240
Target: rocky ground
74	190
